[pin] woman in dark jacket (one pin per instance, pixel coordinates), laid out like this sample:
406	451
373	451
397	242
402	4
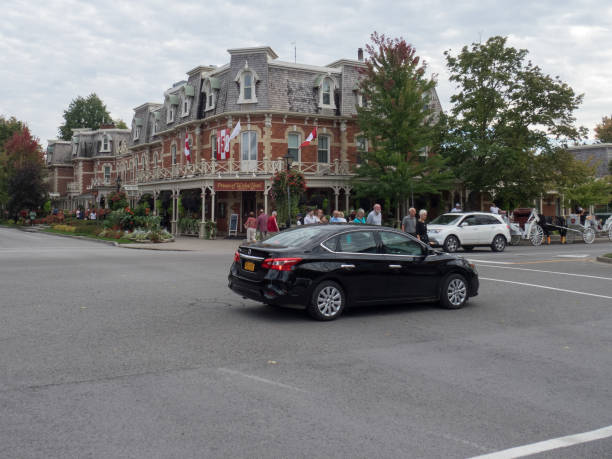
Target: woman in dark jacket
421	227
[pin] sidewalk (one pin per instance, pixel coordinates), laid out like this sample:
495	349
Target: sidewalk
191	244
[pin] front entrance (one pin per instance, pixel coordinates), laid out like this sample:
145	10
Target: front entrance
249	204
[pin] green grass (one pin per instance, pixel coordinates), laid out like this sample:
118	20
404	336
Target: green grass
89	235
608	255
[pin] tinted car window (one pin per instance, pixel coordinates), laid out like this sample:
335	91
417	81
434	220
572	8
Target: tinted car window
471	220
446	219
487	220
331	243
357	242
294	238
398	244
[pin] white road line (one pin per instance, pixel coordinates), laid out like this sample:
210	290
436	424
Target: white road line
547	287
550	272
548	445
487	261
257	378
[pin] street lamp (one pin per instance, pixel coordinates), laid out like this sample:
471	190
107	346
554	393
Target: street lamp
118	184
288	160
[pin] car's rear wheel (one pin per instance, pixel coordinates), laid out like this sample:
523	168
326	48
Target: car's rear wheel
499	243
454	292
451	244
328	301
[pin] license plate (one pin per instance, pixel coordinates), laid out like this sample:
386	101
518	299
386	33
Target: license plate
249	266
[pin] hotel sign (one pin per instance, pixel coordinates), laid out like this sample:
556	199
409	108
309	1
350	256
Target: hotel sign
239	185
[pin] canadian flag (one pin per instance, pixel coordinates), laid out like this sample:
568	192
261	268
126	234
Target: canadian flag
310	138
187	150
223	143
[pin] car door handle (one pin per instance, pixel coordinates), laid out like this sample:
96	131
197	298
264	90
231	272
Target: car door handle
395	266
347	266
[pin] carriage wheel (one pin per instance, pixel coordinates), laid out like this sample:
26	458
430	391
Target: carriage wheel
537	235
588	235
516	239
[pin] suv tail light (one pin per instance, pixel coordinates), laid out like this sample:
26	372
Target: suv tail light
280	264
237	257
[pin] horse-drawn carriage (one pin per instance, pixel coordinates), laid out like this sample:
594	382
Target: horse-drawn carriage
536	228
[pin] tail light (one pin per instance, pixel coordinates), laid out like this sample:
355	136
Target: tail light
237	257
280	264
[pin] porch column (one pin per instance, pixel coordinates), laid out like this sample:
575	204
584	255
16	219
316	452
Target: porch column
336	194
212	203
347	192
175	195
155	210
203	220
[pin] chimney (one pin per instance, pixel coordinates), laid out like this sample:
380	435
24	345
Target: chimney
360	54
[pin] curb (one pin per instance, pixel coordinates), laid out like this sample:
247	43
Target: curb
84	238
604	259
144	247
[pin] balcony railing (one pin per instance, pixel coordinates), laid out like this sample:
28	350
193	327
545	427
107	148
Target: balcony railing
210	169
73	187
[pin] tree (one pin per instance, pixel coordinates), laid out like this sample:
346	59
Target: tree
84	113
398	121
8	126
589	193
603	131
507	118
26	188
120	124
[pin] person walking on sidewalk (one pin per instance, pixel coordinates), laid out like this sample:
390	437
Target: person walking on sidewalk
409	222
262	225
375	217
272	224
251	228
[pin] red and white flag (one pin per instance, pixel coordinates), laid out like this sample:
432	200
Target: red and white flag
310	138
223	143
187	150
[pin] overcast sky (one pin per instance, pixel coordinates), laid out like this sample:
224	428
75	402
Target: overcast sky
130	52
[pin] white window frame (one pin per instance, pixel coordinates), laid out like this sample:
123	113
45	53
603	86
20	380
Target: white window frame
155	159
240	80
319	138
332	90
210	102
186	104
299	138
105	168
105	139
170	114
136	132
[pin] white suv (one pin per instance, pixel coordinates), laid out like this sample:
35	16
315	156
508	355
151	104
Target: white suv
468	229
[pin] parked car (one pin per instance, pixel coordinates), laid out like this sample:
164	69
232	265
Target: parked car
326	268
468	230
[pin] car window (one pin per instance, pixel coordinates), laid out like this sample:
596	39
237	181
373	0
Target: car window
293	238
445	219
487	220
331	243
470	220
398	244
357	242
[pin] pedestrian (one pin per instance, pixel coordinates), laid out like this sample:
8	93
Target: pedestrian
310	218
251	227
92	215
421	227
262	225
360	217
341	218
334	218
321	216
457	208
272	224
375	217
494	209
78	214
300	220
409	222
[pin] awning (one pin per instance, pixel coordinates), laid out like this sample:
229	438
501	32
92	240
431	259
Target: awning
189	90
215	83
173	99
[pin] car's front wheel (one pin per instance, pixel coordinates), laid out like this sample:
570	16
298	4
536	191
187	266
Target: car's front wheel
328	301
454	292
499	243
451	244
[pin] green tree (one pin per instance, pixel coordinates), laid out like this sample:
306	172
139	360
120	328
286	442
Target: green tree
120	124
82	112
603	131
8	126
26	188
591	192
507	119
398	121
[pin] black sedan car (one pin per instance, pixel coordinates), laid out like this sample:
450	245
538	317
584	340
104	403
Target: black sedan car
326	268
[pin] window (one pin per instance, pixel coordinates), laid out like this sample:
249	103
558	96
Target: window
471	220
362	148
107	174
293	144
331	244
248	85
210	98
105	143
326	92
136	132
173	151
155	159
398	244
186	105
213	144
323	149
487	220
171	113
358	242
249	146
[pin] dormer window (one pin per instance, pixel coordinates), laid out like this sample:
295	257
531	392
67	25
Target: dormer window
170	114
136	132
210	86
247	79
326	87
186	105
106	143
173	102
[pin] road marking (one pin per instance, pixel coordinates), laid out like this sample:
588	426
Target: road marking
551	272
487	261
581	255
547	287
257	378
548	445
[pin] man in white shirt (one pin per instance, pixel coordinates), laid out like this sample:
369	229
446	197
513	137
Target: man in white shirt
457	208
375	217
494	209
310	218
92	215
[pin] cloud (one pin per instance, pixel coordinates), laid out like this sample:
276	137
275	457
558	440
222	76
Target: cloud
130	52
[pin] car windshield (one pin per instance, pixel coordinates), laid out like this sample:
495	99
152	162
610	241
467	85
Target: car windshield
293	238
446	219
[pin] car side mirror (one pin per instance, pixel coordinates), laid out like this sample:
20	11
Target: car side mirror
464	224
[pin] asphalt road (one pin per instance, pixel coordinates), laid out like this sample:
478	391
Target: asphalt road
109	352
